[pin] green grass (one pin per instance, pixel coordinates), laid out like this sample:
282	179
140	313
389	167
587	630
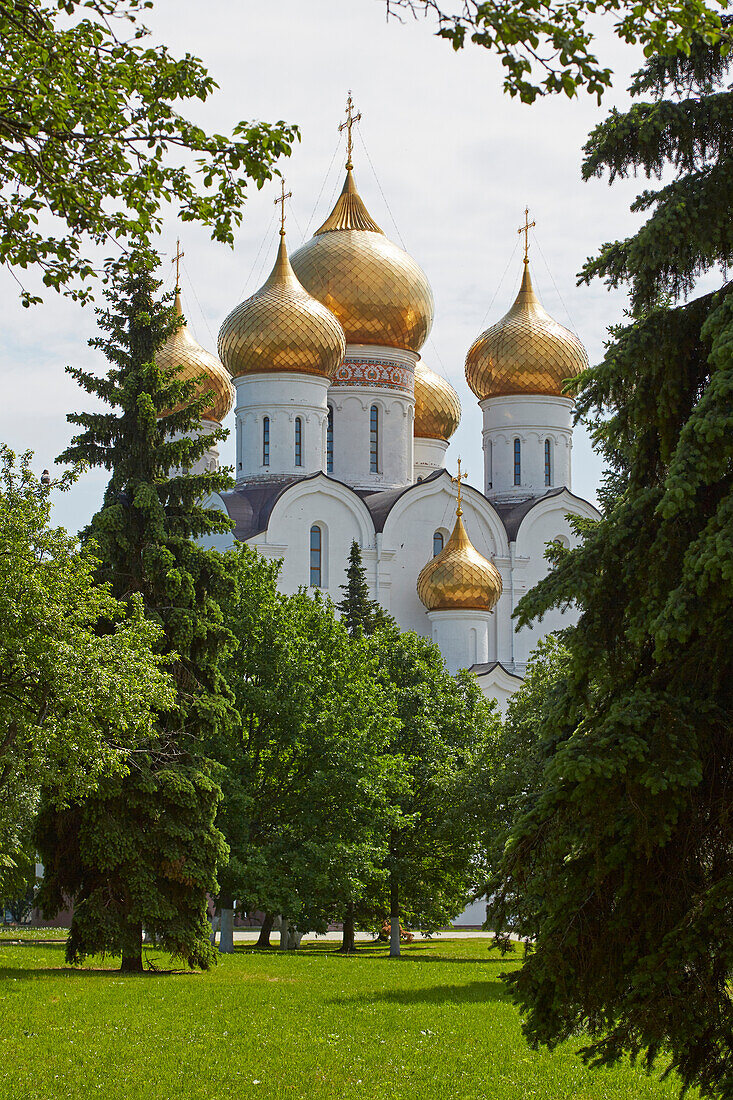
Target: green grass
434	1025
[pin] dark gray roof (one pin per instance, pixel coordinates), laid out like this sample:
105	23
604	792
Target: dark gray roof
511	515
251	506
482	670
380	504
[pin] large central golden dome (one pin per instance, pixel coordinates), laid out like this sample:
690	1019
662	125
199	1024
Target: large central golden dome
181	351
526	352
437	405
459	578
378	292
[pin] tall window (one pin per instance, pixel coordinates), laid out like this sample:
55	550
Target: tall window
374	440
298	441
548	462
437	543
266	441
517	462
329	441
489	464
316	551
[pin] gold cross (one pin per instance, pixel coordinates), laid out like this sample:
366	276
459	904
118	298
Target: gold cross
351	119
281	200
525	229
177	261
457	481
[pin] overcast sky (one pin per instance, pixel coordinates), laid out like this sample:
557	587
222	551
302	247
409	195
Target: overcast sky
456	162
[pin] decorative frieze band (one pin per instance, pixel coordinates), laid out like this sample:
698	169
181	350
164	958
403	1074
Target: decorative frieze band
377	373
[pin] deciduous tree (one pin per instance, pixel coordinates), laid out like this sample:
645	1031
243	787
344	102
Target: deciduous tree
92	141
73	702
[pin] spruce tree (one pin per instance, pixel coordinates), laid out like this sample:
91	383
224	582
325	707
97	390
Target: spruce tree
143	851
359	612
624	848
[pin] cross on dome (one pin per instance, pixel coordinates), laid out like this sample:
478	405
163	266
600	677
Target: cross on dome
457	481
351	120
177	261
525	229
281	200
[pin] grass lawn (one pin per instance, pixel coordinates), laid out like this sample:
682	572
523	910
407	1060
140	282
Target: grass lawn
434	1025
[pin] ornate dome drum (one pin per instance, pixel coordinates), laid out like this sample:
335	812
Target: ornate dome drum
526	352
437	405
377	291
181	351
281	328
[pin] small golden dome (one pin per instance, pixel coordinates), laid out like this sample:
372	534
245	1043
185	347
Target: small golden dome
281	328
181	350
526	352
378	292
459	578
437	405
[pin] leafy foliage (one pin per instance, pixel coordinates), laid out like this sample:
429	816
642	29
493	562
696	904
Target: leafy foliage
548	48
143	853
625	846
73	703
305	808
90	134
444	723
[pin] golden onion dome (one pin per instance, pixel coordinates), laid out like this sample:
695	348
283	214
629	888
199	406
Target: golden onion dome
181	351
526	352
282	328
459	578
378	292
437	405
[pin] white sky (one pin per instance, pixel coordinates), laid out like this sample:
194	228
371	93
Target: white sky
456	160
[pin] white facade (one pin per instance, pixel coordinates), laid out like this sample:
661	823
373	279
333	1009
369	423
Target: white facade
373	411
280	425
527	445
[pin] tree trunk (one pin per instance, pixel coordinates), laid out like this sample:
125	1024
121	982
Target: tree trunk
348	946
394	917
265	930
226	924
285	935
132	959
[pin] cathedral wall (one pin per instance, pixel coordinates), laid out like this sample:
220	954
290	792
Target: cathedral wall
340	517
545	523
288	449
533	421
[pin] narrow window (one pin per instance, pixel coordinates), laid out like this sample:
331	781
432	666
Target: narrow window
517	462
489	465
374	440
266	441
329	441
548	462
437	543
298	441
316	571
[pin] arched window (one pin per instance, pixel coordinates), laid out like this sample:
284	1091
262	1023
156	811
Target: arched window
517	462
438	543
298	441
374	439
316	550
548	462
266	441
329	441
489	464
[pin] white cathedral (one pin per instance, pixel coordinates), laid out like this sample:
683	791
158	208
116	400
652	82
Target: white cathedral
342	433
